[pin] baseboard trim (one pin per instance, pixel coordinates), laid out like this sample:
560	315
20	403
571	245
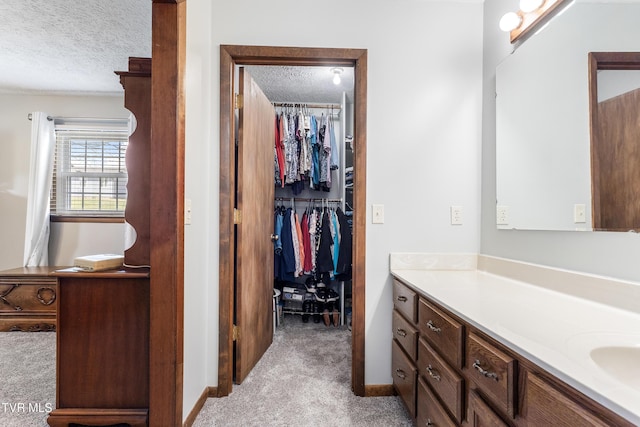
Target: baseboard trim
206	393
378	390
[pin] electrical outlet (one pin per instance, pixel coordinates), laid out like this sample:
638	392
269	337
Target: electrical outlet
456	215
377	212
502	215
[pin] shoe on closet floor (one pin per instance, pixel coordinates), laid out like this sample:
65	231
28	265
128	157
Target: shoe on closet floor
336	318
326	317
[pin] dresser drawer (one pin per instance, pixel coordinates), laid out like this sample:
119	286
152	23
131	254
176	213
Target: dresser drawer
404	377
406	335
35	296
447	384
405	301
441	331
429	412
493	371
481	415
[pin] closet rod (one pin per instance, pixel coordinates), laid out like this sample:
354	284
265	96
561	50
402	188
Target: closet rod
308	105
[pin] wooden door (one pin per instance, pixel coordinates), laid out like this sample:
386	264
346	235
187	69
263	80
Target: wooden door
618	168
254	249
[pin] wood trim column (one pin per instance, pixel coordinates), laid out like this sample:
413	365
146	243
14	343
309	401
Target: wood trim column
167	213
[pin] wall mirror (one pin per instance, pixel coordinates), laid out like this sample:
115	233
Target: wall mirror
543	156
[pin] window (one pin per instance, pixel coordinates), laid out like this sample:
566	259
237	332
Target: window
89	175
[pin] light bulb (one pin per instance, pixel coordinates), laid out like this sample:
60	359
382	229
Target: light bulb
530	5
510	21
336	75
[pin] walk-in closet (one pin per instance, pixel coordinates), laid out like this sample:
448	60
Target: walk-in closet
312	178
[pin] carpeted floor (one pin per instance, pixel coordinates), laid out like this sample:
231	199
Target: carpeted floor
27	378
302	380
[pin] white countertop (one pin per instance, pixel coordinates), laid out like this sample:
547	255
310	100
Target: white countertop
557	331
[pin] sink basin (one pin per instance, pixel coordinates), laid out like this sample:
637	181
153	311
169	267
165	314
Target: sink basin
615	353
622	363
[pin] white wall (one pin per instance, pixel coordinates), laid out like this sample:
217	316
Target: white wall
603	253
423	142
15	143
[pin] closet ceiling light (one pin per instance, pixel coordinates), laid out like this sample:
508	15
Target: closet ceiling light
336	75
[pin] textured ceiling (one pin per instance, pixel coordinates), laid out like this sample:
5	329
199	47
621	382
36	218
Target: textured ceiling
302	84
70	45
74	46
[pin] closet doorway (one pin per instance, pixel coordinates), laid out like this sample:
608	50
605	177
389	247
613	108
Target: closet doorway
230	58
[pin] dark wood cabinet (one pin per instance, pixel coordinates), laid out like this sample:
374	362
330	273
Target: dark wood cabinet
464	377
102	359
103	332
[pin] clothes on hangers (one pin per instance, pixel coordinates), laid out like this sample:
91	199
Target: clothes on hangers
305	150
317	244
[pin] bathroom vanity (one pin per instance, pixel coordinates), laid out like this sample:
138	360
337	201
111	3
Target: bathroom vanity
472	347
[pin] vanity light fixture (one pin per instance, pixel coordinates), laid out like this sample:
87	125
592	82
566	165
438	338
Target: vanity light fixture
532	14
336	75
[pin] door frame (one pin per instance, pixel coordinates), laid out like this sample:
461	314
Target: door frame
230	56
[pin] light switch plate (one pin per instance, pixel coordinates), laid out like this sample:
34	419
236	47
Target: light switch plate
377	214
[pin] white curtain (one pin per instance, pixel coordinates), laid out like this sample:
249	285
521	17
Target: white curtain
43	143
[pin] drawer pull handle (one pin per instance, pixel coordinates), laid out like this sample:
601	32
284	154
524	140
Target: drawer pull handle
401	332
432	373
402	298
429	422
433	327
400	373
484	372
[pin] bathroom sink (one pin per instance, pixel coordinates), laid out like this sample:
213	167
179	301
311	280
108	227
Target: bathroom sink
621	362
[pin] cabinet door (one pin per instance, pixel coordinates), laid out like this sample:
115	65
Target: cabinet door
481	415
493	371
443	332
406	335
546	406
446	382
404	377
428	410
405	301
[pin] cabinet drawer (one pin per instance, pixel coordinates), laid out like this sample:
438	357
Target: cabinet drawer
447	384
493	371
405	301
481	415
428	410
406	335
404	377
544	405
441	331
34	296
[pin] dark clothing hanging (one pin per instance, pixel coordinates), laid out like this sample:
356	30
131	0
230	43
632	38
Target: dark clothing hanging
324	259
285	262
343	268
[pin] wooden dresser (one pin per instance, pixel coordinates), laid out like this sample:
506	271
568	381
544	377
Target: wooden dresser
449	373
102	358
28	299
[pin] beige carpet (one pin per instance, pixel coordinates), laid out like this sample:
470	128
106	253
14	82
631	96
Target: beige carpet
304	379
27	378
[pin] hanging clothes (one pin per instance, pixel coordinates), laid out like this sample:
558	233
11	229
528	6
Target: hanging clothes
343	268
